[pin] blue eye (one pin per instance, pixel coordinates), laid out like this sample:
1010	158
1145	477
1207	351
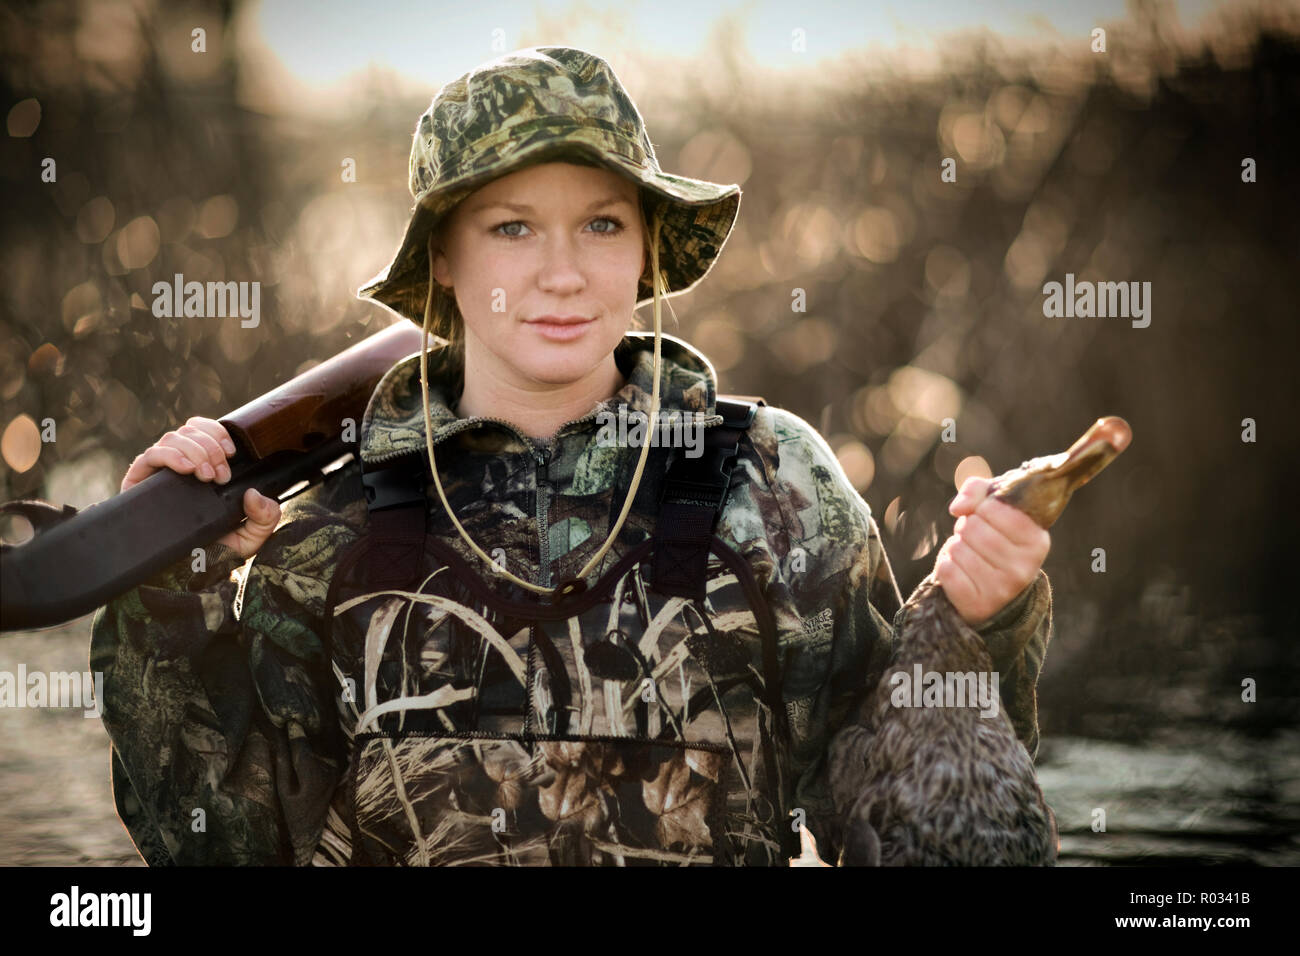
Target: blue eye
513	222
617	227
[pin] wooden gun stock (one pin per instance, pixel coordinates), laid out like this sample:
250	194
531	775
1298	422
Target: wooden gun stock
286	439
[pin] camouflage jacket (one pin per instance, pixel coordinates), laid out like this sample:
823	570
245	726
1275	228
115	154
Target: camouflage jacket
270	712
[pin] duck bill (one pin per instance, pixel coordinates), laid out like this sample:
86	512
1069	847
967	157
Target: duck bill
1042	487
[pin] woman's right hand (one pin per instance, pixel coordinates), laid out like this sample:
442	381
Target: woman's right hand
200	447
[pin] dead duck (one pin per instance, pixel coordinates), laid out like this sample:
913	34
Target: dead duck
935	786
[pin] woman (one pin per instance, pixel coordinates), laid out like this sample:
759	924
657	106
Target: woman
648	664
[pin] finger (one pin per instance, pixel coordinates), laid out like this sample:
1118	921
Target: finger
139	469
152	459
1019	570
212	450
263	512
262	516
165	456
1012	523
192	450
989	542
972	492
217	431
977	569
213	437
962	591
955	580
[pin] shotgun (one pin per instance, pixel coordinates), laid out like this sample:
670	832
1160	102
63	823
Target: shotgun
286	441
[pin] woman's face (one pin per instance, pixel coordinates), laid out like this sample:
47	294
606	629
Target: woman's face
555	239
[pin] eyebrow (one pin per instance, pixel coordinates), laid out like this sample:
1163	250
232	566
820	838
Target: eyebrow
525	208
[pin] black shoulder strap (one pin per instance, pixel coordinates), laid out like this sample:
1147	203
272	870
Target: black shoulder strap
398	519
694	494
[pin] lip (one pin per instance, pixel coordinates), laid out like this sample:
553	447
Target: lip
561	328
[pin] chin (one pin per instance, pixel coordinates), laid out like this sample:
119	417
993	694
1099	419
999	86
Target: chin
560	363
562	370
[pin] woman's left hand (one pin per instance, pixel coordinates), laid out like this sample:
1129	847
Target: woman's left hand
994	553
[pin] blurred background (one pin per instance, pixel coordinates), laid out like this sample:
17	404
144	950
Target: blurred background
924	301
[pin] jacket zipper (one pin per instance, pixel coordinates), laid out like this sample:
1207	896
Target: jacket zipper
543	482
529	681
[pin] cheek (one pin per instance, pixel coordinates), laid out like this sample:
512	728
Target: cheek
623	263
490	278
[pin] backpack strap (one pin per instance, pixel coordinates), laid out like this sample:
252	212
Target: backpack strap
694	494
398	520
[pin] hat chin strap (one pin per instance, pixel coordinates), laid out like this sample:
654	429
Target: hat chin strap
578	583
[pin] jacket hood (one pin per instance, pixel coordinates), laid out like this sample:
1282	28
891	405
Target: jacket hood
394	422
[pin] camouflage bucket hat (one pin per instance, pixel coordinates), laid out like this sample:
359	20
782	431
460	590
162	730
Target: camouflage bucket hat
537	105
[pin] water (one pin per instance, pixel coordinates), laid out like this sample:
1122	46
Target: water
1189	797
1206	798
56	801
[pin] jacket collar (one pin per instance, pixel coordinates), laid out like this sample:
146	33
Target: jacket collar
394	423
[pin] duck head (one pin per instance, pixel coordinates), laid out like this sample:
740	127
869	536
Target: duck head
1041	487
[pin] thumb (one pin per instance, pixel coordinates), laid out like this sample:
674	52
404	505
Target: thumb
263	512
973	491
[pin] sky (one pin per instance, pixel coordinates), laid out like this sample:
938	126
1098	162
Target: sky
431	41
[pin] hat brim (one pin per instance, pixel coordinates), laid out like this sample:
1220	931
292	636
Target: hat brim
698	217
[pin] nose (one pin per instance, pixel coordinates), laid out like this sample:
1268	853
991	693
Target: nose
561	268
